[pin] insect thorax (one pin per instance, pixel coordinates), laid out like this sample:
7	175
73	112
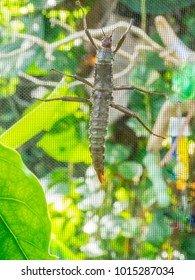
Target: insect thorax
105	55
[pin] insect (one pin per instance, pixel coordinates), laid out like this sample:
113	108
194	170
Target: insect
102	96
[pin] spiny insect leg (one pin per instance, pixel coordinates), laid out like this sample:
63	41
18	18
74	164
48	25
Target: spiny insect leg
78	78
139	89
122	39
128	112
65	98
85	26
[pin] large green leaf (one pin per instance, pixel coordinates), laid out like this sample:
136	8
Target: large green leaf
24	223
40	117
158	7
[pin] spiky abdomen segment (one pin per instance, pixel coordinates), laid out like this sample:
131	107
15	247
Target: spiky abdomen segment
98	129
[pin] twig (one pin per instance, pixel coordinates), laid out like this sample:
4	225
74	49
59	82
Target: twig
24	47
48	83
62	24
49	48
37	81
172	42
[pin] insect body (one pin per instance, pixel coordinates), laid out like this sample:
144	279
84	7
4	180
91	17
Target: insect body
102	98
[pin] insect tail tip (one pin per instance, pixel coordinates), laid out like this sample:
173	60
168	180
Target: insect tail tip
100	176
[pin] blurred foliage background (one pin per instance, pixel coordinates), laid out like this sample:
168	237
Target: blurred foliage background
138	212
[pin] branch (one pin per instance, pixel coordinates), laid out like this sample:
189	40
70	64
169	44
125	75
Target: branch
48	83
37	81
24	47
174	45
49	48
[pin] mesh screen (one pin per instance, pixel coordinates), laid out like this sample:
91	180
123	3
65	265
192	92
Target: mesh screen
144	207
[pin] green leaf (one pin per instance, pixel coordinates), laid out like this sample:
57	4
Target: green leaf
144	78
64	60
122	194
159	230
116	153
64	142
41	117
158	7
24	223
183	83
148	198
188	247
130	170
8	86
155	175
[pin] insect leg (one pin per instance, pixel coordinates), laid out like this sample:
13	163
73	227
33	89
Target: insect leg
122	39
128	112
65	98
78	78
139	89
85	26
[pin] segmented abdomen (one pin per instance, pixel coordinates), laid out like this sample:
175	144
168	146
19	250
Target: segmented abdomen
101	99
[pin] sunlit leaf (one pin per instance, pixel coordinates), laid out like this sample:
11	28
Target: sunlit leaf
122	194
24	223
8	86
40	118
64	142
